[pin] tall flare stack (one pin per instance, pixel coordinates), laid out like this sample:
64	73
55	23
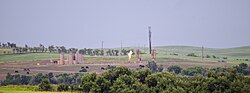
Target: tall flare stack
149	32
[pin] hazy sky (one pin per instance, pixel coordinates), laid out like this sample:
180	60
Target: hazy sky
85	23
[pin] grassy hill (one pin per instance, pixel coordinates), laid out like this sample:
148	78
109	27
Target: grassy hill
27	57
182	51
238	52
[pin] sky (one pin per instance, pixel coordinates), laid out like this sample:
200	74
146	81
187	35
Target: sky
86	23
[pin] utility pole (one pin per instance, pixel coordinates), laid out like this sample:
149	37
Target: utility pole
149	31
202	49
144	48
102	45
121	44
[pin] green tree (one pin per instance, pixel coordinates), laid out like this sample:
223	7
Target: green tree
45	85
88	82
176	69
142	74
102	85
63	87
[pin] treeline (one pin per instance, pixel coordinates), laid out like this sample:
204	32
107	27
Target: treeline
65	78
242	68
23	49
108	52
125	80
58	49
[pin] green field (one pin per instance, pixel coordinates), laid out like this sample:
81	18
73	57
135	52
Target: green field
22	89
162	52
238	52
28	57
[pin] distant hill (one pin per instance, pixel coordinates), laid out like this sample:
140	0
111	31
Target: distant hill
237	52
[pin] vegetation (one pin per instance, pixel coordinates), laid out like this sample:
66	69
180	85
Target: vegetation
25	89
17	79
123	79
45	86
176	69
193	71
192	55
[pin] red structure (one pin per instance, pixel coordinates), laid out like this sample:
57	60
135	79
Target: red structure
138	57
153	55
61	61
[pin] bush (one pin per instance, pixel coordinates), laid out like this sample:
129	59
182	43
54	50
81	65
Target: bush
63	87
83	70
176	69
192	54
207	56
193	71
45	85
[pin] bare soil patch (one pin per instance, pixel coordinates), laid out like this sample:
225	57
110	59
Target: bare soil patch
95	67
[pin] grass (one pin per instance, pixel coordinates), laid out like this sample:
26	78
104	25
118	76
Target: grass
238	52
27	57
22	89
163	53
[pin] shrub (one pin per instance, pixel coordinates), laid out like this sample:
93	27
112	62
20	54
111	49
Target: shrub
193	70
83	70
207	56
176	69
63	87
192	54
45	85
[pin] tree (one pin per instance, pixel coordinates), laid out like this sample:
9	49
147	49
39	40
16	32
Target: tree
45	85
123	84
193	70
152	66
88	82
102	85
176	69
207	56
142	74
63	87
192	54
51	48
36	79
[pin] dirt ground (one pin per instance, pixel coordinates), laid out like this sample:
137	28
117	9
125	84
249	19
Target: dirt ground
95	67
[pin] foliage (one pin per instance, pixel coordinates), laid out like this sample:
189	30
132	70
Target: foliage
16	80
37	79
193	70
192	55
122	80
83	70
152	66
63	87
125	80
45	85
176	69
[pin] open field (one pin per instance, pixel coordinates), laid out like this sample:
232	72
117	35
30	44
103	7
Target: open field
28	57
236	52
22	89
96	62
9	63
